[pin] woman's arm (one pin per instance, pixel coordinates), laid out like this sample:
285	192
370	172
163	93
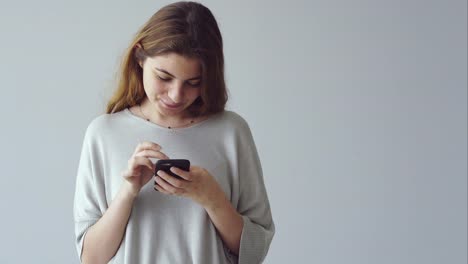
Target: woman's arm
227	221
100	228
103	239
201	186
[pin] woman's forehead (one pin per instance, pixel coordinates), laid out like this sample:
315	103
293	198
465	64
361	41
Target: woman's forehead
178	65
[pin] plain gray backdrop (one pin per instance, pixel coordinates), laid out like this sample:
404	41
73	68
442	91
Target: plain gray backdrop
358	109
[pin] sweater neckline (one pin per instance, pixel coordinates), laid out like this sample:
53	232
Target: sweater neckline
154	125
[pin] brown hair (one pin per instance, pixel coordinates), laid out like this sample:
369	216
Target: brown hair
186	28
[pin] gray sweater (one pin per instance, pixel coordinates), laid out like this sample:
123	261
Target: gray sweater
167	228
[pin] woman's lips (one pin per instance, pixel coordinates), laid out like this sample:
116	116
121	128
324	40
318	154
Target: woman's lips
171	106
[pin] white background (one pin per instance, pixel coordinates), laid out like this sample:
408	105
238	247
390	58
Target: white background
358	109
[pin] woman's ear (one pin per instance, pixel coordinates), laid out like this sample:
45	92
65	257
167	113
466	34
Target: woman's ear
138	46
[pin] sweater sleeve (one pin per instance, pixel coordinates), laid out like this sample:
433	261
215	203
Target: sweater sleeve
253	205
89	200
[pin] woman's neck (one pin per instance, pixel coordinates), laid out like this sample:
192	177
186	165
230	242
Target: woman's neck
151	112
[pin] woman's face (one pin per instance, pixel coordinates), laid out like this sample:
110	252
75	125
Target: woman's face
172	83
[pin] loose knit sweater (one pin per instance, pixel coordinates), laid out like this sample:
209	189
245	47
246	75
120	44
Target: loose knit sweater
168	228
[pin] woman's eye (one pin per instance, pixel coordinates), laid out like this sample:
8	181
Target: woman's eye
167	80
194	84
163	79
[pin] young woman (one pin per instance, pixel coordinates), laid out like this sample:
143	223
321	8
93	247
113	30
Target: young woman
169	104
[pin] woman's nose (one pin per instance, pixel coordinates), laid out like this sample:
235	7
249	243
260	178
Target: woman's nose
175	92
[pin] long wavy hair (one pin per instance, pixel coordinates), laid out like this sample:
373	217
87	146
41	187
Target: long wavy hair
188	29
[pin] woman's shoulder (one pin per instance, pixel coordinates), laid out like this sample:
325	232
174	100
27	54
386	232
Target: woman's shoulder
232	115
234	120
104	122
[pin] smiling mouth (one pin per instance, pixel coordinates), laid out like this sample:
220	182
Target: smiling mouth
171	106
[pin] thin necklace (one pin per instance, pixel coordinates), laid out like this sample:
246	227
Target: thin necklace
169	127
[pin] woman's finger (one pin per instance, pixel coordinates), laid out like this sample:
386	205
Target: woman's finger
146	145
168	187
160	189
136	161
183	174
172	180
152	153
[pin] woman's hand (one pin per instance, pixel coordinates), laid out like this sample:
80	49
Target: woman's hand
197	184
140	168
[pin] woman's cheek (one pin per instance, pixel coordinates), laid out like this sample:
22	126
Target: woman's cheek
195	92
157	88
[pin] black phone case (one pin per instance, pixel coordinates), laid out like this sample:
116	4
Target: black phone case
165	165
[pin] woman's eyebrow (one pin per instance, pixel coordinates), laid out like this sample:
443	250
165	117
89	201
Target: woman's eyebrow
168	73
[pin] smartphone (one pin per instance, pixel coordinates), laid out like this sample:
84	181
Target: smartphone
165	165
